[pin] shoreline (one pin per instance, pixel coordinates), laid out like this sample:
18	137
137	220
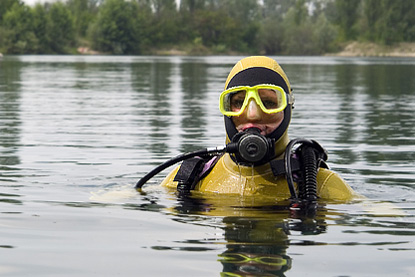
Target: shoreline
369	49
351	49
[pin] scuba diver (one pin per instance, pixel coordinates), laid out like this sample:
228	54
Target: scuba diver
258	159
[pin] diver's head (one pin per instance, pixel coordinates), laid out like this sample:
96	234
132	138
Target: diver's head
258	95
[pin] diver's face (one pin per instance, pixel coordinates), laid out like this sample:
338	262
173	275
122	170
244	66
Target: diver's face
253	116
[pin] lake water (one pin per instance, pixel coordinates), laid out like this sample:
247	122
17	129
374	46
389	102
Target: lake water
77	132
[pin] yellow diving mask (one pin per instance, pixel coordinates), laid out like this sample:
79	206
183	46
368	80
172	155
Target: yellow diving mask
270	98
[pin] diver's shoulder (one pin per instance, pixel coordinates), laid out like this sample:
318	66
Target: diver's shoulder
332	186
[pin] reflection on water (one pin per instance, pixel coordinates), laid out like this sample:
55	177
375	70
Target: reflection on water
77	132
255	247
9	121
259	236
256	234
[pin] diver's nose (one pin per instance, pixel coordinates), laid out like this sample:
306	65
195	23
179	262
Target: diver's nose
253	111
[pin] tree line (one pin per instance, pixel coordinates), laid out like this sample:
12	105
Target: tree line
134	27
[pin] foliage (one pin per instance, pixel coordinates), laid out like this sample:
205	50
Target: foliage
60	28
6	5
347	16
388	22
292	27
116	28
18	35
83	12
40	28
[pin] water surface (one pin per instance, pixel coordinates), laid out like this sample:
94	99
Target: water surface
76	133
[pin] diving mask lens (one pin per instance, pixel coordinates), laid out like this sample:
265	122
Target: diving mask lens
271	99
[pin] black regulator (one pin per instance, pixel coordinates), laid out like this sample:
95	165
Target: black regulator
252	148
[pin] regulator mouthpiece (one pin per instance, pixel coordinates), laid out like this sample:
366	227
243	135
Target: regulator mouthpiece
250	147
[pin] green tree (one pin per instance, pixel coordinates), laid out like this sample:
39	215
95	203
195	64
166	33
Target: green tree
244	11
60	28
298	38
372	12
163	5
40	25
298	31
83	12
271	36
300	12
18	35
6	5
272	31
223	25
388	22
276	9
347	16
246	16
167	27
116	29
324	35
216	29
191	5
408	17
396	21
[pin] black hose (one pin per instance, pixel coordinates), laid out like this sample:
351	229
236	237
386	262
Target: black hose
309	188
179	158
288	170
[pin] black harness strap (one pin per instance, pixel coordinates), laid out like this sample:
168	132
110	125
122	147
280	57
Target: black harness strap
278	168
187	175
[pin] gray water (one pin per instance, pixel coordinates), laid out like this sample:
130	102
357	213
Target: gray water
77	132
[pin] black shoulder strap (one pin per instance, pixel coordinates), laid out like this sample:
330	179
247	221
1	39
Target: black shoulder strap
278	168
187	175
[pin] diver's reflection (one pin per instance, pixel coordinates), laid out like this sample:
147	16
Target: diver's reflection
256	247
257	236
